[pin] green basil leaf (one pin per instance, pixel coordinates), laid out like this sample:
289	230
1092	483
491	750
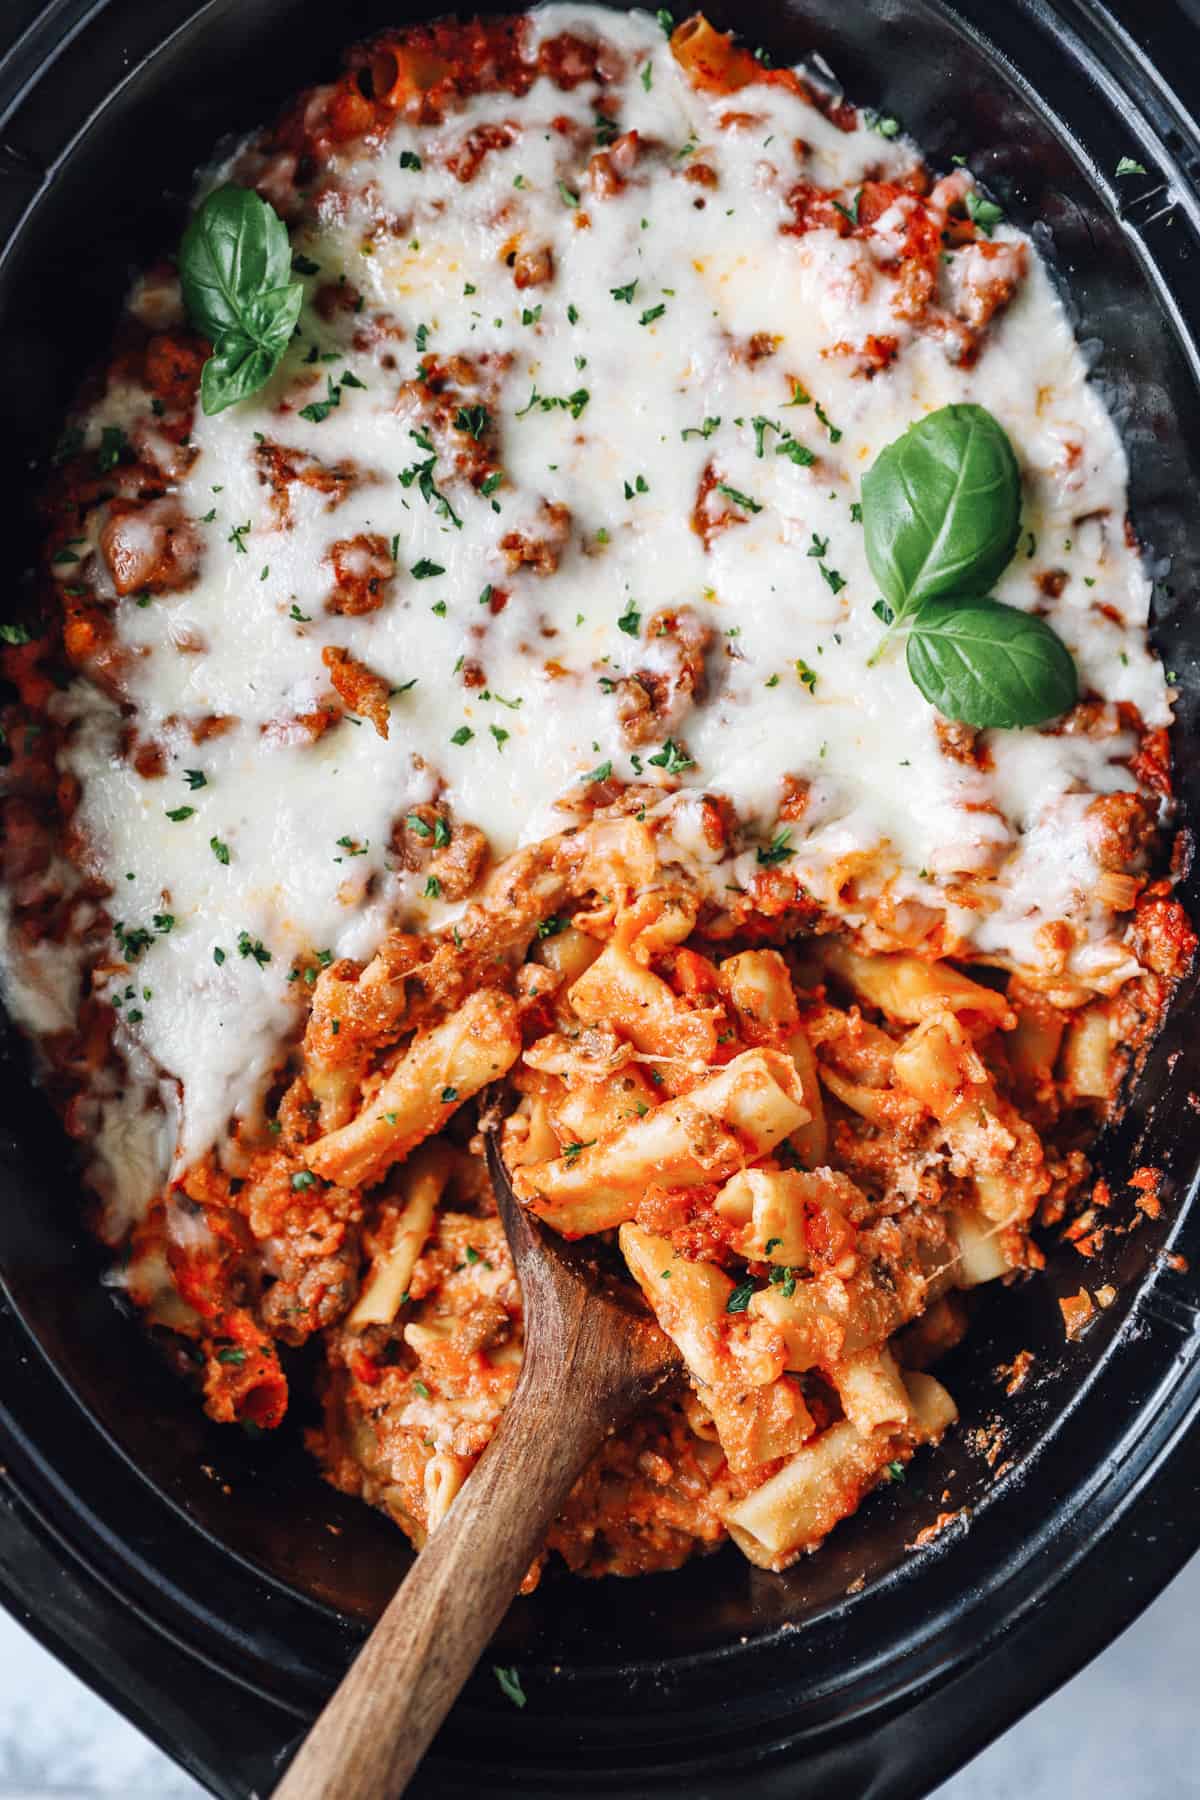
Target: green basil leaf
235	271
235	247
989	664
236	369
942	508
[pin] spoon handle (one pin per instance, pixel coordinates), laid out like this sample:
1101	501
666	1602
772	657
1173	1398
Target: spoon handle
374	1731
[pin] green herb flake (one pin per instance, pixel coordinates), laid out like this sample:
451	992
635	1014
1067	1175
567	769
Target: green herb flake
672	759
984	214
739	499
778	850
510	1684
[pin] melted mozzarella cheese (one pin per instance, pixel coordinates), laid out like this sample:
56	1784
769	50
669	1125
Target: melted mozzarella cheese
647	332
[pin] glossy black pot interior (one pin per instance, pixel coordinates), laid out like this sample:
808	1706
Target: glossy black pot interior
215	1587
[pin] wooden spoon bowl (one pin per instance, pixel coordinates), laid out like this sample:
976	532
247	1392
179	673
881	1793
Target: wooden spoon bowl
592	1358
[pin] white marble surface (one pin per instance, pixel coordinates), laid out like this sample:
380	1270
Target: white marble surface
1126	1729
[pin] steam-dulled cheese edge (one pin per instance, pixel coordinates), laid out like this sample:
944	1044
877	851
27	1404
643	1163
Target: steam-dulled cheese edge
308	825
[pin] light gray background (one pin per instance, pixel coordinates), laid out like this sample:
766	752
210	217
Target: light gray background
1126	1729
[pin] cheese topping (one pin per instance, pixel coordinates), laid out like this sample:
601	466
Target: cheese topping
682	389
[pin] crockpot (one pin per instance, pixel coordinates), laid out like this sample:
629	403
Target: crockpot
213	1587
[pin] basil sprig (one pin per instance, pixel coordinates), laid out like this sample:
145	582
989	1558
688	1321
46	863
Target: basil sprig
941	516
235	268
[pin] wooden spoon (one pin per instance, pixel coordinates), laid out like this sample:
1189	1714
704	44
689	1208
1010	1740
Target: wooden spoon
591	1359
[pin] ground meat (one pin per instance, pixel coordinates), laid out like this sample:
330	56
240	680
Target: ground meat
541	553
150	548
363	572
654	700
362	690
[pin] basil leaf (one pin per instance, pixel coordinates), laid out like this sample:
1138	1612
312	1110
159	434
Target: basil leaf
235	247
942	508
989	664
240	365
235	271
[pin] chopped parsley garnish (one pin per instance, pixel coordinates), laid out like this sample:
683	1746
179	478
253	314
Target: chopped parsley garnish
15	634
432	889
896	1471
422	474
985	214
509	1679
701	431
761	427
567	195
672	759
808	677
219	849
835	436
449	1095
235	538
195	778
741	1297
472	419
551	927
630	620
739	499
501	736
778	850
574	403
253	947
303	1178
796	452
571	1151
132	940
653	312
318	410
417	824
463	735
409	159
163	922
301	618
625	293
601	772
423	570
638	486
1127	166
